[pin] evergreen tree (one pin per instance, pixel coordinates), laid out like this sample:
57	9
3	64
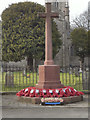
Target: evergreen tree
23	33
79	38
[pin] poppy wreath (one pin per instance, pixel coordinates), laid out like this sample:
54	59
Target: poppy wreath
51	92
57	92
27	91
63	93
32	93
73	91
60	92
38	93
69	91
20	93
45	93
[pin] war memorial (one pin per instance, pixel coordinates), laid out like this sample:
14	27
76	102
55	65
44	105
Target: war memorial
49	89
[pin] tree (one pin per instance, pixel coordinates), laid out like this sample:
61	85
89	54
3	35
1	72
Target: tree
23	33
79	38
81	21
88	34
0	41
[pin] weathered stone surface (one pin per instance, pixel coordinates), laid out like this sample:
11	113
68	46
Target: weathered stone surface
37	100
85	79
9	79
72	99
33	100
48	33
49	77
67	100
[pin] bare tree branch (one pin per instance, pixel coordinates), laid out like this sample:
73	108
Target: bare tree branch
81	21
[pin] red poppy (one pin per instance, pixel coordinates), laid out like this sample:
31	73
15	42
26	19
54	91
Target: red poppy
60	92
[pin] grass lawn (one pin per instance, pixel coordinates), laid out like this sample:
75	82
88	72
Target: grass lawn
21	81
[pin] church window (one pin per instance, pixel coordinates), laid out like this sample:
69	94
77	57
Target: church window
56	4
72	51
66	25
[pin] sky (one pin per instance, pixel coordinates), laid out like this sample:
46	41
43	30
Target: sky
76	6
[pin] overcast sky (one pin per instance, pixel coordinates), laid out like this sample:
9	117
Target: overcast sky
76	6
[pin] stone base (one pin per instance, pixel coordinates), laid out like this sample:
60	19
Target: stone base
37	100
49	77
32	100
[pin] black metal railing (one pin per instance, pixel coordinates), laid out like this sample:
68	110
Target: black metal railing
15	78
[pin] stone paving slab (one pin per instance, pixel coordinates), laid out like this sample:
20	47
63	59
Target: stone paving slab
11	108
45	112
12	101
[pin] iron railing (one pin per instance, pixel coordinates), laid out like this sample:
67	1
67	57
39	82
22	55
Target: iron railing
15	78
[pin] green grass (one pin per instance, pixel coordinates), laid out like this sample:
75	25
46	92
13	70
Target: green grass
71	80
21	81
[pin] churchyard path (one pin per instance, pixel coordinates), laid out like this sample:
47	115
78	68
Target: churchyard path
11	108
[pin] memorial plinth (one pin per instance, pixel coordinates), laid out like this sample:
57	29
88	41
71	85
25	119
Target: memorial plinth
49	77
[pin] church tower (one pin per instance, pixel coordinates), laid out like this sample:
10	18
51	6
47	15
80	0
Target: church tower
67	12
63	24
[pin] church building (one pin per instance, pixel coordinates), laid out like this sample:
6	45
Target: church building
66	55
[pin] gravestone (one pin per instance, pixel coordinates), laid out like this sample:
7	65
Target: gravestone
1	68
85	80
70	70
49	74
9	79
80	70
77	72
24	72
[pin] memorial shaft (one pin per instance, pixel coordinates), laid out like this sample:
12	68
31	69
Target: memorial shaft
48	33
48	41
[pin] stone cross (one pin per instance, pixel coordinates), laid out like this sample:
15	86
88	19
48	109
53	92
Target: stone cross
48	33
49	74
